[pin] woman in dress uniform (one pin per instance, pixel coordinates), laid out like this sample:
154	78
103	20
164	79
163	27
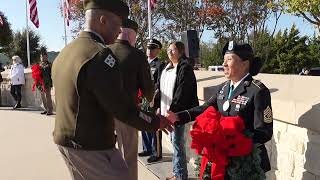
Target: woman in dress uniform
240	95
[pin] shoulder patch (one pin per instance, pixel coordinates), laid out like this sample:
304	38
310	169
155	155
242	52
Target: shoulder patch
267	115
257	83
110	61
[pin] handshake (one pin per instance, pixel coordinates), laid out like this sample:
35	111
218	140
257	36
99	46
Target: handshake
167	121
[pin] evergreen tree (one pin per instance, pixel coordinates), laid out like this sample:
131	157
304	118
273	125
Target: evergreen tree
5	35
19	45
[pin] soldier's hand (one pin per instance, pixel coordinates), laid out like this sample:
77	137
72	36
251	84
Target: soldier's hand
172	117
151	104
165	125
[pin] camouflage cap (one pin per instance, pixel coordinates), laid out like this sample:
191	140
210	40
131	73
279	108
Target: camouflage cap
117	7
128	23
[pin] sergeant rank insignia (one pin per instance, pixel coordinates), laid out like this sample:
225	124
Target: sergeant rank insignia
267	114
110	61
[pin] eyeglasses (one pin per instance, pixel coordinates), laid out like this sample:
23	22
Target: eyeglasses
171	50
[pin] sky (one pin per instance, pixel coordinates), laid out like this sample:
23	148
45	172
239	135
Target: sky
51	28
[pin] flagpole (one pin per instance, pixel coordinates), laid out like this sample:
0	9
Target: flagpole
27	29
64	22
149	19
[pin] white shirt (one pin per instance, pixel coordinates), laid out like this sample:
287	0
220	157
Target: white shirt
167	83
16	74
150	60
237	83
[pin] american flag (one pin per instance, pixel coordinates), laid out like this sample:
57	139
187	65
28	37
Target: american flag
66	11
34	12
153	3
1	21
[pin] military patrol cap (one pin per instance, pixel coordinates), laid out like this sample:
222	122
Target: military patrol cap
117	7
244	51
154	44
128	23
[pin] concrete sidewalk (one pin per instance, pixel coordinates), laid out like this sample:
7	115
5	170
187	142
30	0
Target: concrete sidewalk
28	151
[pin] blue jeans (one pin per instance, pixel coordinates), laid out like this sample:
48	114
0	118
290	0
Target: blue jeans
179	158
151	143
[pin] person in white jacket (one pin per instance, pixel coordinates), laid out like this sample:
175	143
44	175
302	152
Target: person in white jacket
17	79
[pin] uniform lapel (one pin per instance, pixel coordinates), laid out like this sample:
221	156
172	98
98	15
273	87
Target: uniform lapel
226	89
242	87
154	63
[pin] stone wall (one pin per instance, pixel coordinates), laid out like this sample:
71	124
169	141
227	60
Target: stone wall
295	147
30	99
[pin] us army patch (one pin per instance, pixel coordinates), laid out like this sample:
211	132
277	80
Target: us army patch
110	61
267	115
145	117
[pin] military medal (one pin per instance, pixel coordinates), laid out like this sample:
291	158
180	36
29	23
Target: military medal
237	107
226	105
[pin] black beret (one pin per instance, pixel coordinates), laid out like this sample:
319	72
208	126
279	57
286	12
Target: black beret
128	23
153	44
244	51
117	7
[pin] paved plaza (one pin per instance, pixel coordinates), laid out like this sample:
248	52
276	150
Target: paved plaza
28	151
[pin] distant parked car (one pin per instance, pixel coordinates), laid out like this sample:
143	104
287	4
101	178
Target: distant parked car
314	71
215	68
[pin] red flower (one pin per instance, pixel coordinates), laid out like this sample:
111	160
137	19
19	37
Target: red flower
236	142
216	138
37	76
139	97
205	129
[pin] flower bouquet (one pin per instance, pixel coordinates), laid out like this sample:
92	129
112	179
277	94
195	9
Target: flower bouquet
226	146
37	77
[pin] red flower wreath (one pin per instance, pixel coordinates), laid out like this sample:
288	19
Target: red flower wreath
216	138
37	77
